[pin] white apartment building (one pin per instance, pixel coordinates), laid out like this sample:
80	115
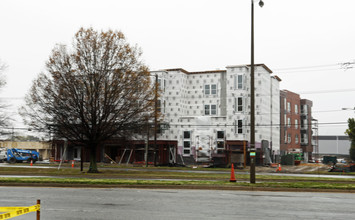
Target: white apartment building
209	113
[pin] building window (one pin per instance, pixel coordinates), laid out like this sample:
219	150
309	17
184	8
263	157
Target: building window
304	139
220	134
207	109
239	104
304	124
220	140
213	110
240	126
187	143
238	82
210	89
288	107
187	134
296	123
213	89
296	139
210	109
296	109
289	138
187	147
207	89
288	122
158	105
285	138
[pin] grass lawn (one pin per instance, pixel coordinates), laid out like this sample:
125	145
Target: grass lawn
165	177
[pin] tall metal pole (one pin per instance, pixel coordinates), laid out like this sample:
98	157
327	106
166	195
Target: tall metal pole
252	98
252	101
146	149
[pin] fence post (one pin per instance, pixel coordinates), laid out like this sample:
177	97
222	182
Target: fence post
38	211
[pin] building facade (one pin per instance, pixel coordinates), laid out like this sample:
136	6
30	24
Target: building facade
295	125
290	118
209	113
333	145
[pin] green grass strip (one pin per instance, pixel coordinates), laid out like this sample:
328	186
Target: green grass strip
87	181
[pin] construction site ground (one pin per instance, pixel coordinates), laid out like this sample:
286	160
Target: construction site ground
303	177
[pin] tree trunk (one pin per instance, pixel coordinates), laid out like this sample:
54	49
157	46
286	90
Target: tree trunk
352	151
93	164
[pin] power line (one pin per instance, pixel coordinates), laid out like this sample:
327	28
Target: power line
328	91
306	67
344	65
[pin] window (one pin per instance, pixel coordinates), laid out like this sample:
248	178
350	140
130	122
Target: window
207	109
211	89
187	147
296	123
285	138
288	122
304	124
187	143
158	105
240	126
187	134
213	110
296	109
238	82
289	138
220	134
207	89
220	140
304	139
296	139
210	109
239	104
288	107
214	89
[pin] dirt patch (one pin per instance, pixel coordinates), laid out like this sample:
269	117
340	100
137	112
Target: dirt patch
302	168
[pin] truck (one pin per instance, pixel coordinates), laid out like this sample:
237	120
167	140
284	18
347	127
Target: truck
14	155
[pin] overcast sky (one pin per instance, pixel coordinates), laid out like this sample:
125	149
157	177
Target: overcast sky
199	35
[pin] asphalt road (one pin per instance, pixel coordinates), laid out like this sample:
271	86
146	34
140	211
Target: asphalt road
93	203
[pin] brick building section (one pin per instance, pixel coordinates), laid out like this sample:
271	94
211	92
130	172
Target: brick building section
290	120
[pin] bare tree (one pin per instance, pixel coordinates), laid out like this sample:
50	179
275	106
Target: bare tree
98	90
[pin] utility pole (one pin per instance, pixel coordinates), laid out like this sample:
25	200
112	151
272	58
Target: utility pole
155	119
146	145
252	98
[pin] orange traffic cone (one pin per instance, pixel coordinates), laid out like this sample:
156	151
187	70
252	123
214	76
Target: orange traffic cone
72	164
233	179
278	168
31	164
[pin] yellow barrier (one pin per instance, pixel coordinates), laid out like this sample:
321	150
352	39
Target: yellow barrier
12	212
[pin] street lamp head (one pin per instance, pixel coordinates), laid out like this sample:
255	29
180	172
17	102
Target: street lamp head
348	108
261	3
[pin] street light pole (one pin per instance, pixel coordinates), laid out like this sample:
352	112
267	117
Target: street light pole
252	98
